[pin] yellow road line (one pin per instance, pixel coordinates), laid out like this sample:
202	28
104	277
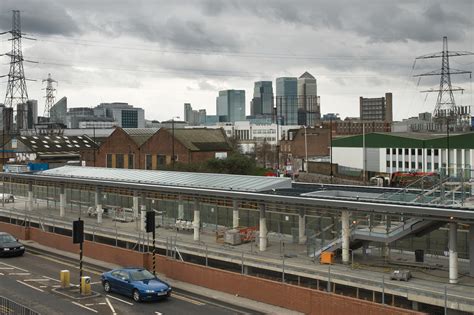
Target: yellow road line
186	299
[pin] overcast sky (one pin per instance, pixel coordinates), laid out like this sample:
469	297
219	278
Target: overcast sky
161	54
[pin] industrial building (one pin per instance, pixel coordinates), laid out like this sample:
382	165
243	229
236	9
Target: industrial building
376	109
391	152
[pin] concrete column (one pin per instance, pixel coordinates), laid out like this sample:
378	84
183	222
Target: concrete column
62	202
301	228
143	217
453	254
98	205
180	208
235	214
30	197
263	229
471	249
346	233
197	221
135	206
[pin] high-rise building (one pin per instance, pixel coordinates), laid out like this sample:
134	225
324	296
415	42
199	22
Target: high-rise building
124	114
194	117
188	110
231	105
262	102
309	110
286	101
376	109
58	112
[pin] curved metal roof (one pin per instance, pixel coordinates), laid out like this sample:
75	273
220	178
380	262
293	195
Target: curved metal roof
169	178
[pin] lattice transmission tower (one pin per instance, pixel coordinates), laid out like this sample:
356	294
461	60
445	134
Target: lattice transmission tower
50	97
445	103
17	92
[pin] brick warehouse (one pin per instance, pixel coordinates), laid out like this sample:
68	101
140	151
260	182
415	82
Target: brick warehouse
151	148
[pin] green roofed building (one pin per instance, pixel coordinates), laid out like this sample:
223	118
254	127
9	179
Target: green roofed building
392	152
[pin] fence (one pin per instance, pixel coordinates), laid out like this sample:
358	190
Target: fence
8	306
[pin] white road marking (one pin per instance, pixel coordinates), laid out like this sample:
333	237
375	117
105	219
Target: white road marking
35	280
6	268
51	278
43	286
110	305
1	274
19	274
57	286
102	303
14	267
116	298
158	313
96	282
28	285
87	308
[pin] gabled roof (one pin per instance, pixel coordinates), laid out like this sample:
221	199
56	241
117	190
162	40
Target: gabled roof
43	144
203	139
306	75
140	135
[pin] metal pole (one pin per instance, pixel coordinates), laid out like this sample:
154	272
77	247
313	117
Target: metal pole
329	279
363	153
283	270
80	266
447	144
306	147
95	145
445	300
383	289
172	150
154	251
330	143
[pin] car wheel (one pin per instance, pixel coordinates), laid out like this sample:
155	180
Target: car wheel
107	287
136	295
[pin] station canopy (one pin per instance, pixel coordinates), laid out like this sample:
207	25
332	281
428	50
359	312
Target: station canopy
170	178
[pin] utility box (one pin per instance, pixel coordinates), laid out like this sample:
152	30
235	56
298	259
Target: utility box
65	277
86	285
232	237
326	258
400	275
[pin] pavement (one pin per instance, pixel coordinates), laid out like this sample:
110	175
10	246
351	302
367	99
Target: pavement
32	280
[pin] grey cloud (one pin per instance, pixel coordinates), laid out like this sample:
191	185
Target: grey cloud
38	17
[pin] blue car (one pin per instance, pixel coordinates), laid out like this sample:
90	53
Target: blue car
138	283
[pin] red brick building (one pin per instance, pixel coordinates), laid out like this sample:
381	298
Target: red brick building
151	148
310	141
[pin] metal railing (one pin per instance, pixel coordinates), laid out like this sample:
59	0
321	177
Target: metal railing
8	306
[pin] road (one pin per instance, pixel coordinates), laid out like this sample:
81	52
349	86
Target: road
33	279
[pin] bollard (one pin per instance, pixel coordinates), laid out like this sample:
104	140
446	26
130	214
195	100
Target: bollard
86	285
65	277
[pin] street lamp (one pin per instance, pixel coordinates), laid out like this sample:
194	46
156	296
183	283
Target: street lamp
306	147
172	141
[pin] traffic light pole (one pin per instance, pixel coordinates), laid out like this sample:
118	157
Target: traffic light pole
80	266
154	251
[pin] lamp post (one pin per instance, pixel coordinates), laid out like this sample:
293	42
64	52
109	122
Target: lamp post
306	147
172	141
330	143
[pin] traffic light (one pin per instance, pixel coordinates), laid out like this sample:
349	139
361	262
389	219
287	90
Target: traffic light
150	221
77	232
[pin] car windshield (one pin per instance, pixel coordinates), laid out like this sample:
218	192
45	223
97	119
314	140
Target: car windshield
5	238
140	275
